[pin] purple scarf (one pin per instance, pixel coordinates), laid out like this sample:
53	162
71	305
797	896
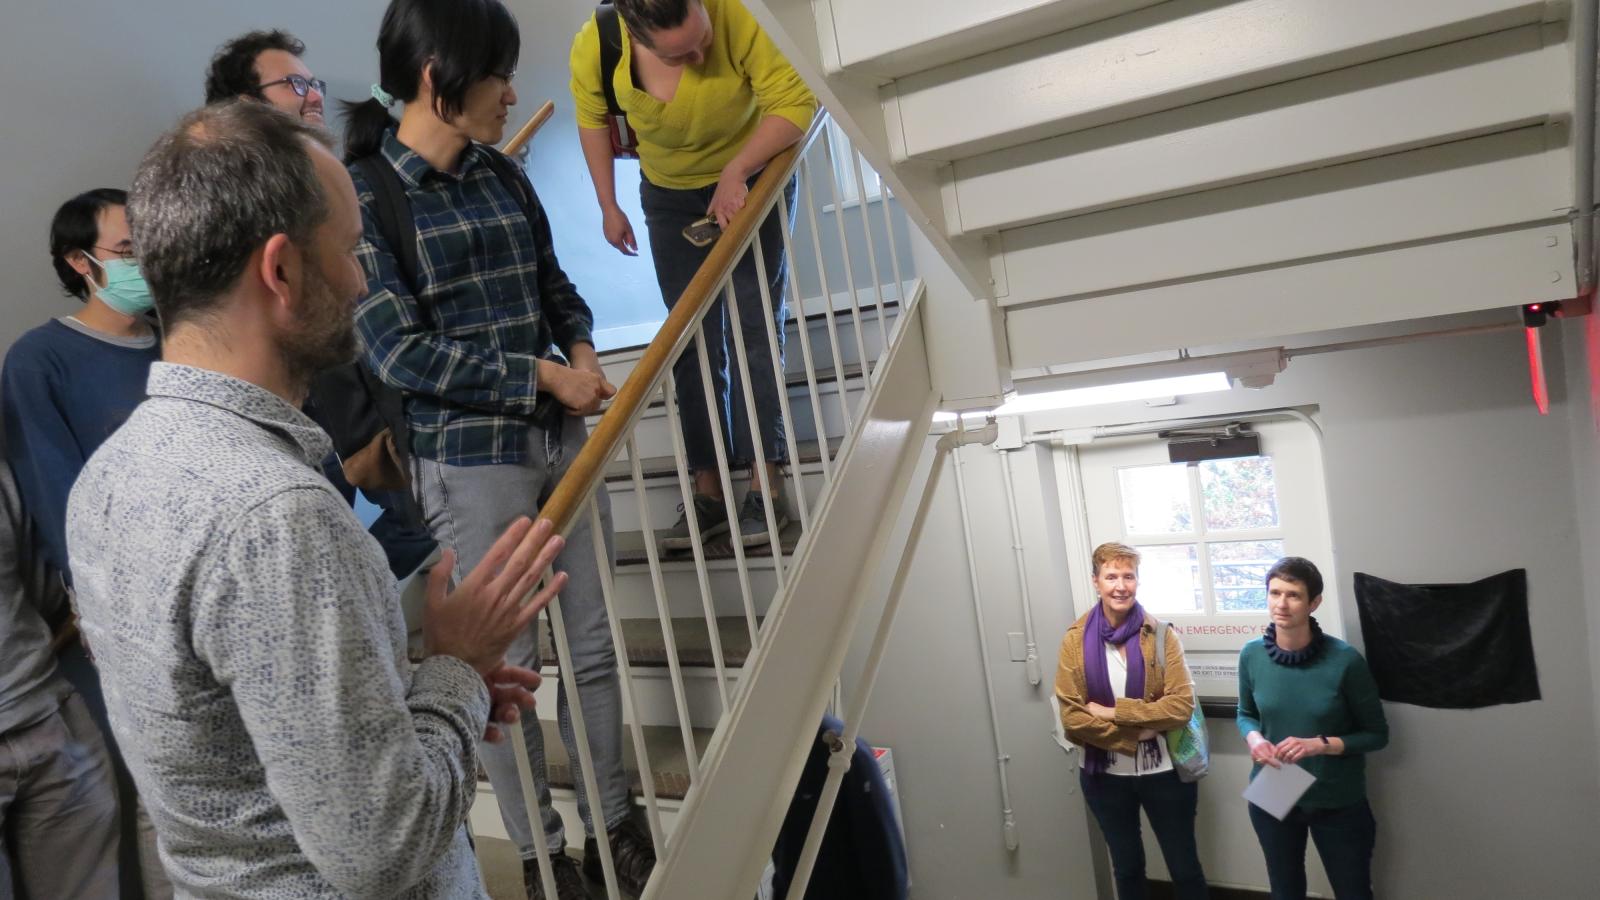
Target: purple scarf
1097	632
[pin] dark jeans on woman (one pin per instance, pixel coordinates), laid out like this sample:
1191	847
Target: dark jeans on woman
1170	803
666	212
1345	838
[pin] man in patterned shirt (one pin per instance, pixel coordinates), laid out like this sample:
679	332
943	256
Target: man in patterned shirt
491	345
247	628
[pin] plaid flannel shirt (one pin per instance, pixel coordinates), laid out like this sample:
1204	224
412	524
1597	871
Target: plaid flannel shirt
492	301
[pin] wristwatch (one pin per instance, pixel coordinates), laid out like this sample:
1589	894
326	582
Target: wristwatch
1324	740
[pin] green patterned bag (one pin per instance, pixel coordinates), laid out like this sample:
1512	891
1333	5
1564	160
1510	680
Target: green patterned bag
1186	745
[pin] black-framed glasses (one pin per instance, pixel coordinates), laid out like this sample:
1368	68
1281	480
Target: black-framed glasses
118	252
301	84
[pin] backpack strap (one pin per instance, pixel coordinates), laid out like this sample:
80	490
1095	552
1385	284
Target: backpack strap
605	19
393	215
511	176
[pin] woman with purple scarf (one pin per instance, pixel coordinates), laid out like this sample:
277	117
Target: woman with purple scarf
1115	704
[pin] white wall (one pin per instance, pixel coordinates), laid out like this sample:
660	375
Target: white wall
1438	469
91	85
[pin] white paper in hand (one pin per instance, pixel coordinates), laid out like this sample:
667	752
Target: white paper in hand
1276	791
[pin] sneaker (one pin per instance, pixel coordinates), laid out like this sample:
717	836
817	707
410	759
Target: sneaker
712	517
569	881
632	854
753	517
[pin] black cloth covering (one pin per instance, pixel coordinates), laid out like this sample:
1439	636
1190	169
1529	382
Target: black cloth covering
1449	646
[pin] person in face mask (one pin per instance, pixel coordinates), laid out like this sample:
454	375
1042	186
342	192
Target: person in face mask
65	387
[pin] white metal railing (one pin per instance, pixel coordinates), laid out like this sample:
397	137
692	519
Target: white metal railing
616	439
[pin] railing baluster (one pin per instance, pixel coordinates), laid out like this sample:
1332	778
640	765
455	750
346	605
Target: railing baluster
652	809
793	288
827	305
725	474
857	325
530	801
663	609
778	370
670	391
580	734
857	161
757	443
894	252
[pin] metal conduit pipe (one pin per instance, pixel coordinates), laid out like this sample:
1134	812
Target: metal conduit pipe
1585	19
1002	758
1031	661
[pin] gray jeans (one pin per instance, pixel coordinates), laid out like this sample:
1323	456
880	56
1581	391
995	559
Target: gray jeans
467	508
58	809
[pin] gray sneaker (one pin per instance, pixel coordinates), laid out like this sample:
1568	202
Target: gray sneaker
753	518
712	517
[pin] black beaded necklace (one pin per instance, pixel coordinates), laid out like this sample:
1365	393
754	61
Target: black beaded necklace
1293	657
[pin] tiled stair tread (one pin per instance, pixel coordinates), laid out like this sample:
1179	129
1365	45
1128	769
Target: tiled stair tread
664	744
663	466
631	552
647	648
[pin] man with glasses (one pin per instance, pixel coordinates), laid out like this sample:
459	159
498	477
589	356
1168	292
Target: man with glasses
266	66
66	386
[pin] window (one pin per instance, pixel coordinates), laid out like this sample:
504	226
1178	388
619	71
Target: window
844	157
1208	533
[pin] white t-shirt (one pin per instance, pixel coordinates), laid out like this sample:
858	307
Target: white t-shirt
1151	757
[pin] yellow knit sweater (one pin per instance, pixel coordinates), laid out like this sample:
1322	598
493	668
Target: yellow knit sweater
686	143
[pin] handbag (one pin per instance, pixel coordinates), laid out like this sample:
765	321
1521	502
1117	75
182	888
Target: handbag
1187	744
624	142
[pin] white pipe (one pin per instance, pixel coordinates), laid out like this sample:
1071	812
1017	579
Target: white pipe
1001	757
857	161
1585	20
894	250
1032	659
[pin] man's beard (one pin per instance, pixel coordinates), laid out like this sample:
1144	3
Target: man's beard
326	333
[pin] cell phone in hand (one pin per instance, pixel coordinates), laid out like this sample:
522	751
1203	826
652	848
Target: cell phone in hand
703	233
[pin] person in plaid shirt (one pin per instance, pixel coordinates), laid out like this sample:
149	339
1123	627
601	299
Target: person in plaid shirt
493	351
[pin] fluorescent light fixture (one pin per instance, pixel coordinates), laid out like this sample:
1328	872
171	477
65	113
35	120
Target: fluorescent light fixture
1100	394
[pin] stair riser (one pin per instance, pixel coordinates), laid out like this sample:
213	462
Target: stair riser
654	697
663	497
634	596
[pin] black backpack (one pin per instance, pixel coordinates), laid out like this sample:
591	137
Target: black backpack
365	417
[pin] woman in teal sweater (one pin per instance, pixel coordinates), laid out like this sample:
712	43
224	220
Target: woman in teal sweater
1308	698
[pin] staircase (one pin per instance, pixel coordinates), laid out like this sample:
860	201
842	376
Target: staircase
1103	179
1130	176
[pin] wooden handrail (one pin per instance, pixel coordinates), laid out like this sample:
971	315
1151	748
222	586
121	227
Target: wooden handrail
528	130
612	431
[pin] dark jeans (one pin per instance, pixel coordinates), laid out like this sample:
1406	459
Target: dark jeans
406	543
666	212
1116	800
1345	838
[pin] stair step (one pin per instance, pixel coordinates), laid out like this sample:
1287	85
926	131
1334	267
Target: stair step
631	550
621	471
668	763
647	647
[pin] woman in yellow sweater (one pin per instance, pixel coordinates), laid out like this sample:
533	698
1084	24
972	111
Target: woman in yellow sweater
712	101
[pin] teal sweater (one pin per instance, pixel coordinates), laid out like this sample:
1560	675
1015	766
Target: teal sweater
1333	695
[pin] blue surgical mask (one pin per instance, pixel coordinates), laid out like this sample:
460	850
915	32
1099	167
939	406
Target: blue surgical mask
125	289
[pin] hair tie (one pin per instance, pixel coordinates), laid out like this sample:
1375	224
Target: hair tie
382	96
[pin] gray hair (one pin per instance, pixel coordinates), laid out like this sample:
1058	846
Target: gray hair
211	191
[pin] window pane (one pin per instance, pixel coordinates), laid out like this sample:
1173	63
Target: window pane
1169	579
1155	499
1237	571
1239	493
